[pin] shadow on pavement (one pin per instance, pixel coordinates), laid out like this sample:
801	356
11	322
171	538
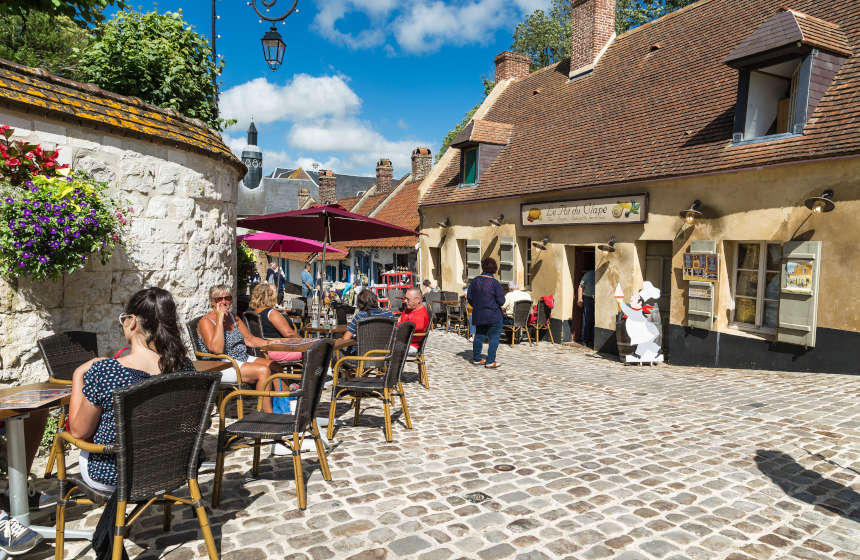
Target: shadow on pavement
808	486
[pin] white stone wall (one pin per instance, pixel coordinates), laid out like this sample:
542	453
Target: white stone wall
183	239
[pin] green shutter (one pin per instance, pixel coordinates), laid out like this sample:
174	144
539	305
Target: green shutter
798	297
700	305
506	259
473	258
469	165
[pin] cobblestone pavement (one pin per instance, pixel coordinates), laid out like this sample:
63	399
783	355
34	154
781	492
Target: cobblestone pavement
558	454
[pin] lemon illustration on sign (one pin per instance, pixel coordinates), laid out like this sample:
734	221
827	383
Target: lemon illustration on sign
617	211
627	208
534	214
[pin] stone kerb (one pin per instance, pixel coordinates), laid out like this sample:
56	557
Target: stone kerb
182	240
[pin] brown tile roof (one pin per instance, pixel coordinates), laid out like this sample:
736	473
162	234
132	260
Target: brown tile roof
401	210
484	131
788	27
348	203
369	204
646	114
303	257
31	88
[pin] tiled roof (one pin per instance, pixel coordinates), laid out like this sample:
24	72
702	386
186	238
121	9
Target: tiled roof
484	131
31	88
788	27
303	257
368	204
646	113
401	210
349	203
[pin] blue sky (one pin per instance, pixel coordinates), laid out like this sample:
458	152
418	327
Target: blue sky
362	79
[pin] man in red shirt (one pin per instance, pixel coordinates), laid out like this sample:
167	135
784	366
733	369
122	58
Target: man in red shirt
415	312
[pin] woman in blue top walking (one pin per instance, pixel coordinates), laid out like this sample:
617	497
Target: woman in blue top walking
486	296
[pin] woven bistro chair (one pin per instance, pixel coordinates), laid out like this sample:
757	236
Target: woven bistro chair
521	322
435	301
382	387
395	300
418	358
160	424
204	354
255	326
62	354
342	312
458	317
542	322
289	430
372	334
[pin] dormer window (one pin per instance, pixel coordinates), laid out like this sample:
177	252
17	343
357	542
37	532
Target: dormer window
479	143
784	68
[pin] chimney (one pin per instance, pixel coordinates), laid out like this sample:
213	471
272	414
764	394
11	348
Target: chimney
511	65
304	197
592	30
384	176
422	160
328	186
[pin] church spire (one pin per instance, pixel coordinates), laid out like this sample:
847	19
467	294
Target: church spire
252	134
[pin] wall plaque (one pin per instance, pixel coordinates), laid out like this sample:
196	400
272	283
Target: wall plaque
625	209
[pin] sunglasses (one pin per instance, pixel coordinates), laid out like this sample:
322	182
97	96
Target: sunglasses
222	298
123	317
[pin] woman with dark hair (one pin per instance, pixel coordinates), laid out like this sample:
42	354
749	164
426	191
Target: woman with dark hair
486	296
368	306
149	324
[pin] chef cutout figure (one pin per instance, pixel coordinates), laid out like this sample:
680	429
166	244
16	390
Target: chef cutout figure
640	323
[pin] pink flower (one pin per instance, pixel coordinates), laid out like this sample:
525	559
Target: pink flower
13	162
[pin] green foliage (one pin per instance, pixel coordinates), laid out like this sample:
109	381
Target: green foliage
544	37
41	40
446	142
158	58
245	262
51	427
84	12
633	13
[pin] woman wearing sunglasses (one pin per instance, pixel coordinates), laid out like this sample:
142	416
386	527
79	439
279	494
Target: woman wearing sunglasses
220	333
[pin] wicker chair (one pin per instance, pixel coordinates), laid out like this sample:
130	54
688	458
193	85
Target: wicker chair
542	323
274	428
160	424
395	300
342	311
458	317
62	354
203	353
255	326
521	322
372	334
382	387
418	357
435	301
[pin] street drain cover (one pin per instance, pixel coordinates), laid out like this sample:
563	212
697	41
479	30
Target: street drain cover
504	468
477	497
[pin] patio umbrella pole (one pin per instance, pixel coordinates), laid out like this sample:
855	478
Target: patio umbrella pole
323	278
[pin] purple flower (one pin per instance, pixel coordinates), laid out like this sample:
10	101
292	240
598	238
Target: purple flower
43	260
34	190
54	244
93	213
10	201
69	179
11	224
28	244
26	255
36	204
66	240
53	231
66	230
27	212
76	234
21	264
44	219
25	200
18	245
63	205
61	220
56	212
38	229
28	183
83	258
83	204
47	206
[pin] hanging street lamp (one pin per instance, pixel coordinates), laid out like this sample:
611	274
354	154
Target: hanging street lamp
273	48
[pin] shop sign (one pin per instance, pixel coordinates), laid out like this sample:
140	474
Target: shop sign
626	209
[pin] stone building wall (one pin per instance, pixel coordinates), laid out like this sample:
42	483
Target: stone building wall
182	236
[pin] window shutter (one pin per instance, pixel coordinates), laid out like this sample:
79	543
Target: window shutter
506	259
700	305
473	258
798	297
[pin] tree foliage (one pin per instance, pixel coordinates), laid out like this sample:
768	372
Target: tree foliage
42	40
158	58
83	12
633	13
446	142
544	37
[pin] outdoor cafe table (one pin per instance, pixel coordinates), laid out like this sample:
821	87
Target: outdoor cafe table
52	394
302	344
327	331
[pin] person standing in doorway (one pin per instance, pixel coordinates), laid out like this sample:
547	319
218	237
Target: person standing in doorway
487	297
307	281
585	300
275	276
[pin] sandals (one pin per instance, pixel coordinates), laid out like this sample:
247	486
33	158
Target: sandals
494	365
480	363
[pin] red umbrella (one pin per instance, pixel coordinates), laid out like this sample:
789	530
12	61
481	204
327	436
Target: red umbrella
274	243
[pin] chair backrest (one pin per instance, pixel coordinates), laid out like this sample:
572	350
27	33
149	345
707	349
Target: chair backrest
399	351
64	352
449	296
543	313
192	334
160	424
464	308
374	333
423	342
255	325
300	304
434	298
395	300
521	313
316	363
341	311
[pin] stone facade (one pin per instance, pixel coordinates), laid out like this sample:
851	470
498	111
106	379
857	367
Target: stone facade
384	176
328	186
422	161
182	237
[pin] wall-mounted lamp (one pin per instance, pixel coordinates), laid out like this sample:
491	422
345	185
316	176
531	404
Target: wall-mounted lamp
821	204
444	223
692	213
542	244
497	221
607	247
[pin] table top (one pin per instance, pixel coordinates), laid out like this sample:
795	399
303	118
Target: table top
211	365
449	301
335	330
302	344
47	402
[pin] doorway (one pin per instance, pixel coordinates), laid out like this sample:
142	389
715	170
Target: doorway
582	260
436	266
658	271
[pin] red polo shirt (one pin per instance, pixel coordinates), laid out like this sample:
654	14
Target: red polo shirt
421	320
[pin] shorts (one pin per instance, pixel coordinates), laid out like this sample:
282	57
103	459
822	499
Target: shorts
83	463
229	375
285	356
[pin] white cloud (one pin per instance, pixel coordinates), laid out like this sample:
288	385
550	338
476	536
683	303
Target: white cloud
305	97
331	11
271	158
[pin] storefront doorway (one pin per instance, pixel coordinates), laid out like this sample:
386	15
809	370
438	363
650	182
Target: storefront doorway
579	262
658	271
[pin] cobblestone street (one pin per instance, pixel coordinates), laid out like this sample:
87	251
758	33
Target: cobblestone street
557	454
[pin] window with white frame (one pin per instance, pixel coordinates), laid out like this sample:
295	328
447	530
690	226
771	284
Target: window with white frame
756	285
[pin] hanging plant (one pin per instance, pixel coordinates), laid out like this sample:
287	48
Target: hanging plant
51	223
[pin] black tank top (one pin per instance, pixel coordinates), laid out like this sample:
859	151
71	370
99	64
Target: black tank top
269	330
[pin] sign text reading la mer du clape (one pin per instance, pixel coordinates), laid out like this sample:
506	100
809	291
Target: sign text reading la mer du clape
627	209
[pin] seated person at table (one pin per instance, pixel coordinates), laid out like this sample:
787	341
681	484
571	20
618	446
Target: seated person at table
263	300
368	306
220	333
415	312
149	324
514	295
